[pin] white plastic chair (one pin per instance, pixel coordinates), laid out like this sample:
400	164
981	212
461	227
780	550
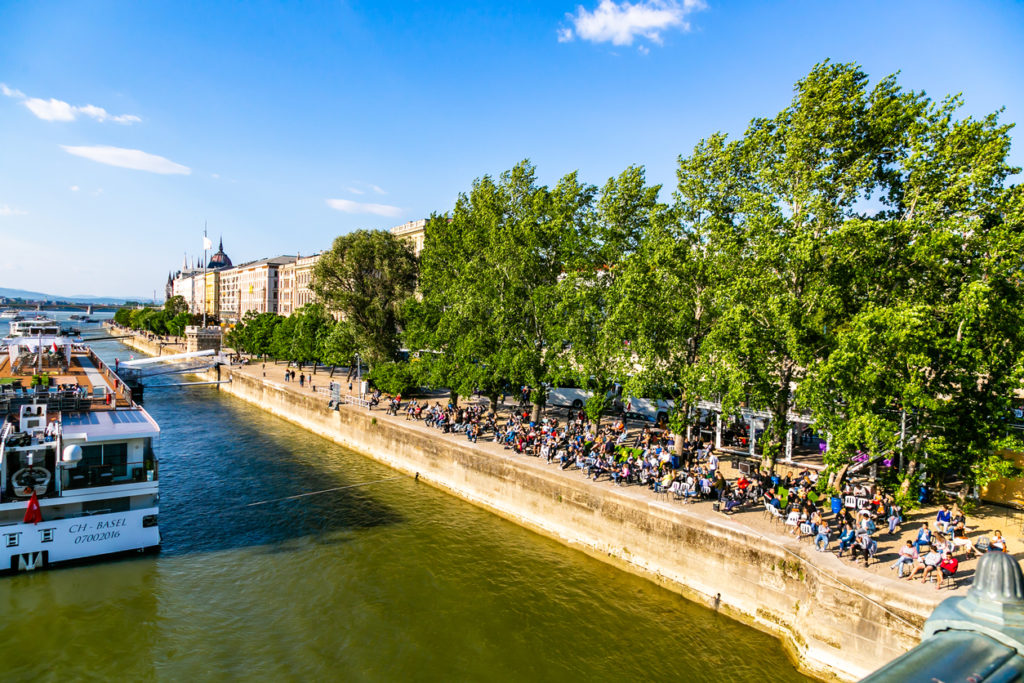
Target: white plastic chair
793	520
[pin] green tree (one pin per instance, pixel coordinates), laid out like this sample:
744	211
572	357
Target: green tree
175	306
366	276
783	216
489	279
312	325
339	347
281	339
927	371
393	378
595	309
176	325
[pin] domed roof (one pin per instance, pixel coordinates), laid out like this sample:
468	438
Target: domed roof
220	259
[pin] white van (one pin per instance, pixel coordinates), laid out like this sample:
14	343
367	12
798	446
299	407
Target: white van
649	409
572	396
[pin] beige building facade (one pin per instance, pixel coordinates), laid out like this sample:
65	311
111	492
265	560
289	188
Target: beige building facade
413	232
295	281
259	285
188	287
227	297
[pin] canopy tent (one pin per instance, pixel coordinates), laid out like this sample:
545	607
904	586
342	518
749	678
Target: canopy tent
18	345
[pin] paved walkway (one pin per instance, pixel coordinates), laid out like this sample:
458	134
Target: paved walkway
982	522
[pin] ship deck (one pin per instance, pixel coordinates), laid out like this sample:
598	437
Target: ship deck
85	379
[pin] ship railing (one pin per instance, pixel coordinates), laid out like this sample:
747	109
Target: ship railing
67	402
120	388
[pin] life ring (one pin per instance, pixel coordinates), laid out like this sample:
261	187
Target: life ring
40	480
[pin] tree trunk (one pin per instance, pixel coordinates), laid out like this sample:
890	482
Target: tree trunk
333	368
911	469
837	482
535	415
453	397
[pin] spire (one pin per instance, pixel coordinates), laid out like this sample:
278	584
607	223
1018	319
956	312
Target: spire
220	247
184	264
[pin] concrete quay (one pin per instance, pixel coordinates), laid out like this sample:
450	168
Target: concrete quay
836	620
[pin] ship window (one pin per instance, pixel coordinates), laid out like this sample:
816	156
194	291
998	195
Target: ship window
46	535
12	540
92	456
114	455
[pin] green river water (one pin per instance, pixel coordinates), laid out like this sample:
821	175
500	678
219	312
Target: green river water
392	581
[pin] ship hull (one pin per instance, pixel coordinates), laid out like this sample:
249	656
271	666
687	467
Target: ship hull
25	547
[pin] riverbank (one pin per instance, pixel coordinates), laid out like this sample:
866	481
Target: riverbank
837	620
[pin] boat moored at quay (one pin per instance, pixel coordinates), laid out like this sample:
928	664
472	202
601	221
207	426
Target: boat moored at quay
78	472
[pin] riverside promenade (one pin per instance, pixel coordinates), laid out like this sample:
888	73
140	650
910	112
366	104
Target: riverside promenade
837	620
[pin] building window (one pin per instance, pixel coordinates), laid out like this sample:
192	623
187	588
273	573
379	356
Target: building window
46	535
12	540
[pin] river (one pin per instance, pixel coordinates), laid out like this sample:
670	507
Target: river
393	580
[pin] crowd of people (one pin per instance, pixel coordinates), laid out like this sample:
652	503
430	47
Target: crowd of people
648	457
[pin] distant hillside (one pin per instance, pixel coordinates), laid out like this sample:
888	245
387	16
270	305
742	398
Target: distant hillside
78	298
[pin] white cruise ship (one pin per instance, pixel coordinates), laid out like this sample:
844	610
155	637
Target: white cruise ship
78	473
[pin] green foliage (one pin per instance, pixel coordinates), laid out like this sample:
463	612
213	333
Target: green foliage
175	306
281	339
312	326
857	256
254	333
490	282
367	276
393	378
338	346
155	320
176	325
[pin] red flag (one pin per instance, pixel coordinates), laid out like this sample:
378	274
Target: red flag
33	515
55	347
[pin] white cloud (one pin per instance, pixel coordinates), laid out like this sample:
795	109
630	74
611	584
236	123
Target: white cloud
349	206
620	23
129	158
75	188
6	210
10	92
643	49
50	110
215	175
369	186
59	110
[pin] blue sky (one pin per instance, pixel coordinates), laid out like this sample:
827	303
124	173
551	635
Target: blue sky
252	117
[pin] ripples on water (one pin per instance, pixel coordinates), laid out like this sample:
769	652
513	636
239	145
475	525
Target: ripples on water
394	581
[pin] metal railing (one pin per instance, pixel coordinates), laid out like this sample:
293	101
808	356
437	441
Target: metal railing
356	401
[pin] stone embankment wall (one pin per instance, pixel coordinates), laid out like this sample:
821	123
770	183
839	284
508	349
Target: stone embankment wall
837	624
